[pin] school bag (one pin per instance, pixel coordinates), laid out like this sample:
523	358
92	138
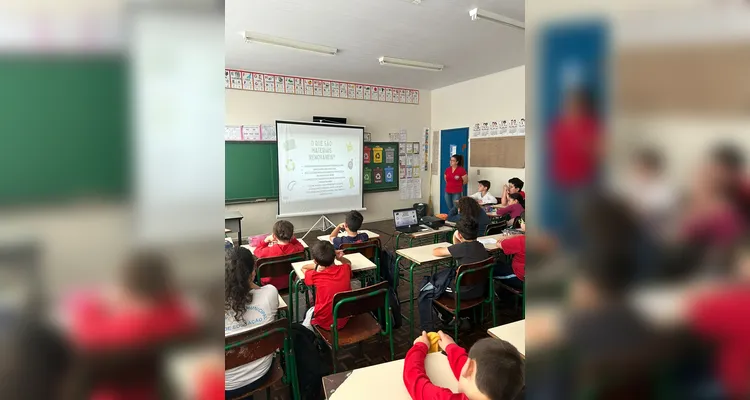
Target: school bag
389	273
313	358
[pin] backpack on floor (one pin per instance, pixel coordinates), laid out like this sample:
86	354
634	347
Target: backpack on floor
389	273
313	359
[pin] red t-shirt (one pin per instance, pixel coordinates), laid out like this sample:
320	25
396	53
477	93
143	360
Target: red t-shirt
417	382
266	251
516	246
455	183
523	194
328	283
573	149
725	319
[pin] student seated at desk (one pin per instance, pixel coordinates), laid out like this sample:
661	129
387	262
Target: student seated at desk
483	196
514	207
512	275
246	306
281	242
514	186
470	208
492	370
352	224
328	279
466	251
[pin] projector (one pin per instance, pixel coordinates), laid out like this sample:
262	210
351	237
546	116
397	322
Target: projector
432	222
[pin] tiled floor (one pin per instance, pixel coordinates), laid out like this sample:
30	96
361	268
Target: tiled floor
374	350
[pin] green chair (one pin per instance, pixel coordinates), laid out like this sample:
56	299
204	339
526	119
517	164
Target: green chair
519	295
494	229
279	266
479	273
358	305
370	249
258	343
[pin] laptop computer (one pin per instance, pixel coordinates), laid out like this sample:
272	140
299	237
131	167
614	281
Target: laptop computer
406	220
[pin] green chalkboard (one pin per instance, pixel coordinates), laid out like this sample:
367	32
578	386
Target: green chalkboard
250	171
64	123
380	166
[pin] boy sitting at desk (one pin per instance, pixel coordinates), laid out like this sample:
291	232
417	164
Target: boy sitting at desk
328	279
466	250
284	243
483	196
353	222
493	370
514	186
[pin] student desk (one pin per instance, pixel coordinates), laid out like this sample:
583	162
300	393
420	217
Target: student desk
513	333
307	249
370	234
385	381
420	257
435	233
233	222
359	263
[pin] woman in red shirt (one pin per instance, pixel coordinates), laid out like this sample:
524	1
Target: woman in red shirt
455	179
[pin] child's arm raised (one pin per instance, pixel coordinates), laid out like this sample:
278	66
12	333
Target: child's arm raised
336	231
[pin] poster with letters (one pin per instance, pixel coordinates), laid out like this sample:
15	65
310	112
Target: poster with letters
247	81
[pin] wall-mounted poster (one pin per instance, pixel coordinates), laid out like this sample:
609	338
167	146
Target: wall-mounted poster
382	162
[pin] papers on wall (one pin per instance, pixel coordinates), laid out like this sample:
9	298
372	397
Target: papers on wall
506	127
250	132
410	188
435	153
402	135
233	132
268	132
415	171
426	148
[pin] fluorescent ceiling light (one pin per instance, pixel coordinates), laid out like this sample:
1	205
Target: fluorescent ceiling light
500	19
400	62
292	44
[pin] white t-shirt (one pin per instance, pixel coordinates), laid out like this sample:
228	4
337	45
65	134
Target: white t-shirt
261	311
486	199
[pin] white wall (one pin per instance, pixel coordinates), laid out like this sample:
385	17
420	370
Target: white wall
244	107
497	96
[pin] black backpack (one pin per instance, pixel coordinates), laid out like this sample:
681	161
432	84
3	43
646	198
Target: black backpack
389	273
313	359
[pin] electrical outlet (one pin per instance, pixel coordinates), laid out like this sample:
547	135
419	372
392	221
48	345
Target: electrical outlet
479	172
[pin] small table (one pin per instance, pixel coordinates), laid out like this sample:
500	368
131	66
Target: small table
385	381
513	333
233	222
359	263
426	232
370	234
307	249
419	256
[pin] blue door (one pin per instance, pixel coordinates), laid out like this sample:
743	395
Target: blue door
452	141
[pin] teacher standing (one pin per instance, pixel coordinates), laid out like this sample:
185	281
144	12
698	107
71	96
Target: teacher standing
455	178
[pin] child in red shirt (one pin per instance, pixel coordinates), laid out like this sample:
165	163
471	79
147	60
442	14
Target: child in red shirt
328	279
282	242
493	369
144	312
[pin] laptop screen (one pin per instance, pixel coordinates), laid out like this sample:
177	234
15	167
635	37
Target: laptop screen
405	217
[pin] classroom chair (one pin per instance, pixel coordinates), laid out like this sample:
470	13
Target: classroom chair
358	304
260	342
370	249
519	295
470	275
279	266
494	229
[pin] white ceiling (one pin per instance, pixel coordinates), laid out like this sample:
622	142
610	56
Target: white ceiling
436	31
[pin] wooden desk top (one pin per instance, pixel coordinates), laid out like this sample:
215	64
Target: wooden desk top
513	333
422	254
385	381
359	263
282	303
252	249
370	234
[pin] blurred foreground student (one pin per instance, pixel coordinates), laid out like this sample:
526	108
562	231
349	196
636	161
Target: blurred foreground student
246	306
492	370
281	242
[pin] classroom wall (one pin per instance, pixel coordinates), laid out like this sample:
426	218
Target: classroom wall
244	107
497	96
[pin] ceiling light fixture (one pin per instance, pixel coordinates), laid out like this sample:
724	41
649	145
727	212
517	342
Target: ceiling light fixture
477	14
400	62
252	37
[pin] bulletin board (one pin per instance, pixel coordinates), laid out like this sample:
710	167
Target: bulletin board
502	152
380	166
